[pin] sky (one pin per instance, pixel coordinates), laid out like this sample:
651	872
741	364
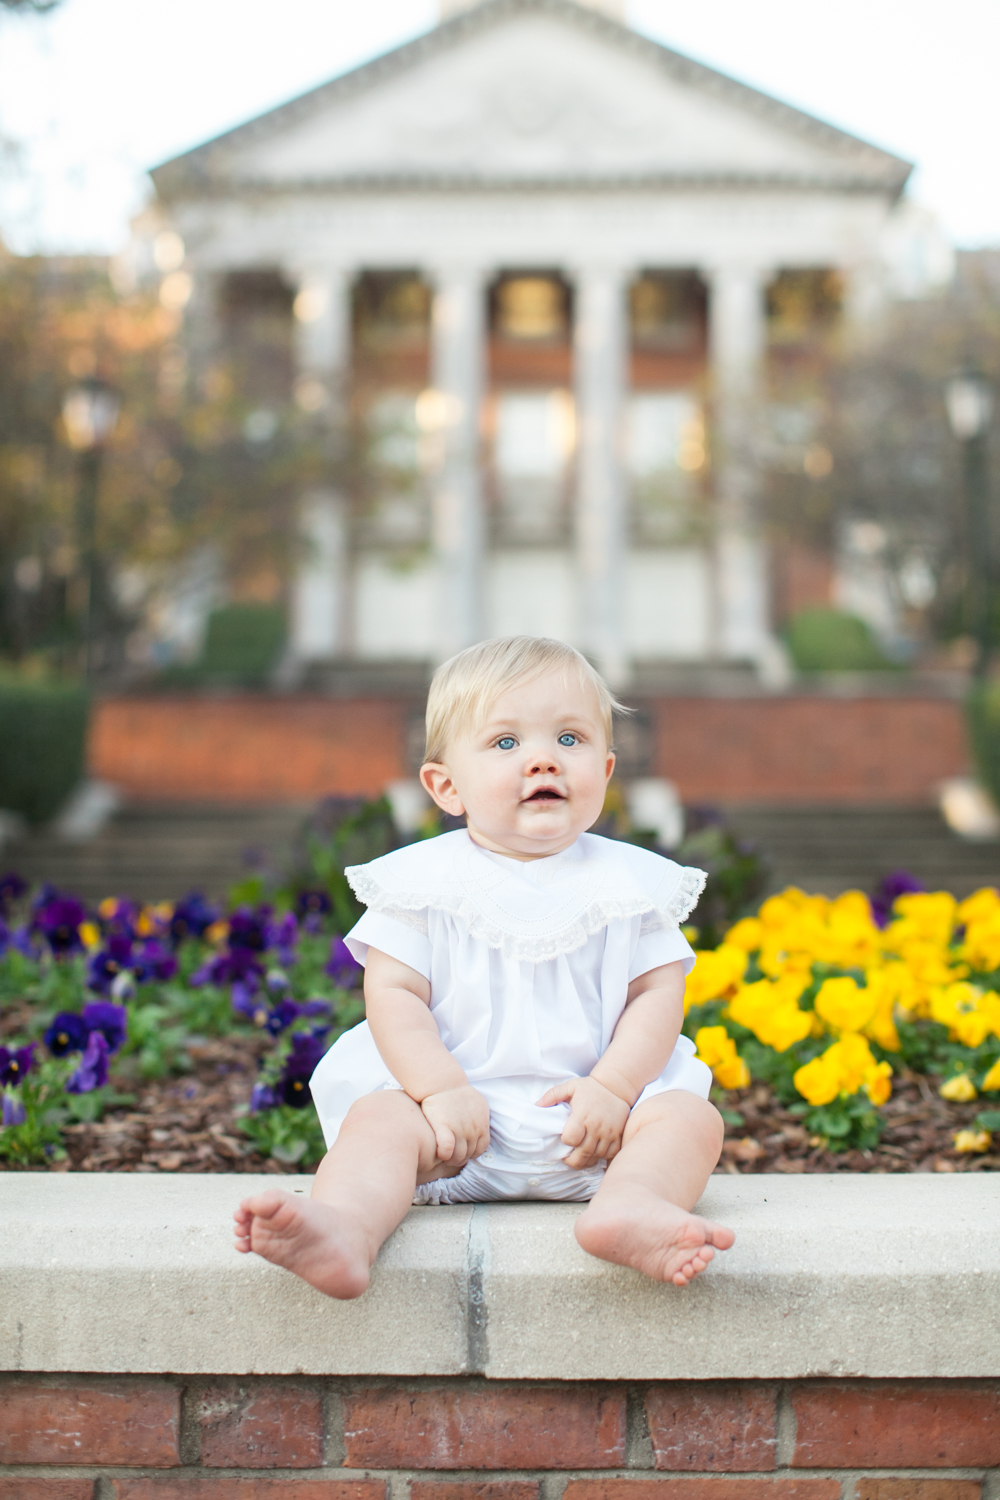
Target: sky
96	92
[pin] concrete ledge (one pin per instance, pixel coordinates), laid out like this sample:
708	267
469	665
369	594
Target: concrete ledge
830	1276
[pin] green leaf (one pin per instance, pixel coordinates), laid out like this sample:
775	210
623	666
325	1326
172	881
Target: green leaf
989	1119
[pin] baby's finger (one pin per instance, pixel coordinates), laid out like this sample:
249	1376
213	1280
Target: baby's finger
575	1132
559	1094
445	1142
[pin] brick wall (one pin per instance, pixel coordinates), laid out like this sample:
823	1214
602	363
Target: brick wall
291	749
135	1438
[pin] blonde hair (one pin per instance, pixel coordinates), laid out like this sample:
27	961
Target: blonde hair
464	689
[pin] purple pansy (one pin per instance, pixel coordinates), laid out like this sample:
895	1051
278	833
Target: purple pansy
312	903
11	887
26	941
899	883
118	917
4	936
232	966
93	1070
67	1033
104	966
286	1011
307	1049
192	917
250	929
342	967
245	1003
14	1112
262	1097
153	960
15	1064
58	920
107	1020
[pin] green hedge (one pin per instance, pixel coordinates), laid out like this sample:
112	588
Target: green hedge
43	737
982	712
244	641
828	640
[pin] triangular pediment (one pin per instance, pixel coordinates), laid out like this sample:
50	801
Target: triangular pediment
532	92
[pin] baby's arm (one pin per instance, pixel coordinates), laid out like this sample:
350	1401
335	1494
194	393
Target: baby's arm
397	1001
644	1038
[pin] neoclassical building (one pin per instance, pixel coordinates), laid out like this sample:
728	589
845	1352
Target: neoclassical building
553	254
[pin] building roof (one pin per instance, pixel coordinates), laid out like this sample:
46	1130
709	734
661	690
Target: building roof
532	93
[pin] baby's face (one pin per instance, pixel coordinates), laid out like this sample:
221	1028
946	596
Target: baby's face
533	777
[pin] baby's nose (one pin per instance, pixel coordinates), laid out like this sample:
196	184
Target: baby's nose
543	767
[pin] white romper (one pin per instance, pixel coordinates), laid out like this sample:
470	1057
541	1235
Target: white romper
528	964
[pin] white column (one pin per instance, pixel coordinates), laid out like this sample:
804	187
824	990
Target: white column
737	343
321	627
458	376
601	378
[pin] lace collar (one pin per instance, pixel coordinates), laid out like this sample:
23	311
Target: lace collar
530	911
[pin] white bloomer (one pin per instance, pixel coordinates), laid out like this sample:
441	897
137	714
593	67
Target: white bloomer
529	965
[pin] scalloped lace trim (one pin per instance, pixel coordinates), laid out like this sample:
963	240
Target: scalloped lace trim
528	947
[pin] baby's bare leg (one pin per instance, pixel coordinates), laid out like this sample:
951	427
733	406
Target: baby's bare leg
362	1189
640	1215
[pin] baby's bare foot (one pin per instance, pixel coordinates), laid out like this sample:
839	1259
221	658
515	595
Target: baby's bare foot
317	1242
651	1235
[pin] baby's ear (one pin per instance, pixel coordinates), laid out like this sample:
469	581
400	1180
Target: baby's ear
436	780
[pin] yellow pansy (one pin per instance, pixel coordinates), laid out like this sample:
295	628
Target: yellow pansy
90	934
747	934
818	1081
878	1083
843	1006
960	1089
770	1011
717	970
844	1068
717	1048
217	932
991	1083
972	1140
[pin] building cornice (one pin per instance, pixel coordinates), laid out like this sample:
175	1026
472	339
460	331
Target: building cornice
209	163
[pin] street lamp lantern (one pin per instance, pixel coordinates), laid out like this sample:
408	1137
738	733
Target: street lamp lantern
968	398
90	412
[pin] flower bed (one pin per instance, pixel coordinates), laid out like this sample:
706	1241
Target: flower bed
848	1034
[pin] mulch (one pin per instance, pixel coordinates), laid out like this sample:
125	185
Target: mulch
187	1124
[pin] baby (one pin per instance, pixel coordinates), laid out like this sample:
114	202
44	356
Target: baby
524	985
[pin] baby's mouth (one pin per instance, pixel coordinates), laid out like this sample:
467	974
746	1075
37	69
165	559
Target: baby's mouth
546	794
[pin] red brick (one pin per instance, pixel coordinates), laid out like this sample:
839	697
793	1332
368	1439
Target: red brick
501	1427
178	1487
497	1489
885	1425
248	749
732	1428
112	1423
46	1489
918	1489
702	1489
260	1427
806	748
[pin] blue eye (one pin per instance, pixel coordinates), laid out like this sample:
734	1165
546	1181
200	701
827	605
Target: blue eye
506	742
568	739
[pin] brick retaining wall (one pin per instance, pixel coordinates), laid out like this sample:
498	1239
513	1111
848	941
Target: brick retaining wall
799	748
129	1438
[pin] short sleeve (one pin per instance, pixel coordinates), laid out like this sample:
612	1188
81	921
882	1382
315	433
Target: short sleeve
657	948
408	944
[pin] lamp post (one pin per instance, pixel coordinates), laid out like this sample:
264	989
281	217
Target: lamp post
89	412
969	403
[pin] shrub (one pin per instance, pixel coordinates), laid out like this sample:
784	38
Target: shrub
827	640
244	641
43	731
982	711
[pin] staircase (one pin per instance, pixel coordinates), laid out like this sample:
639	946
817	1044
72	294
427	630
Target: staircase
157	852
833	849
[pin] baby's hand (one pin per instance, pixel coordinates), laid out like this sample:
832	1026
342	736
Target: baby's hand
597	1119
460	1120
